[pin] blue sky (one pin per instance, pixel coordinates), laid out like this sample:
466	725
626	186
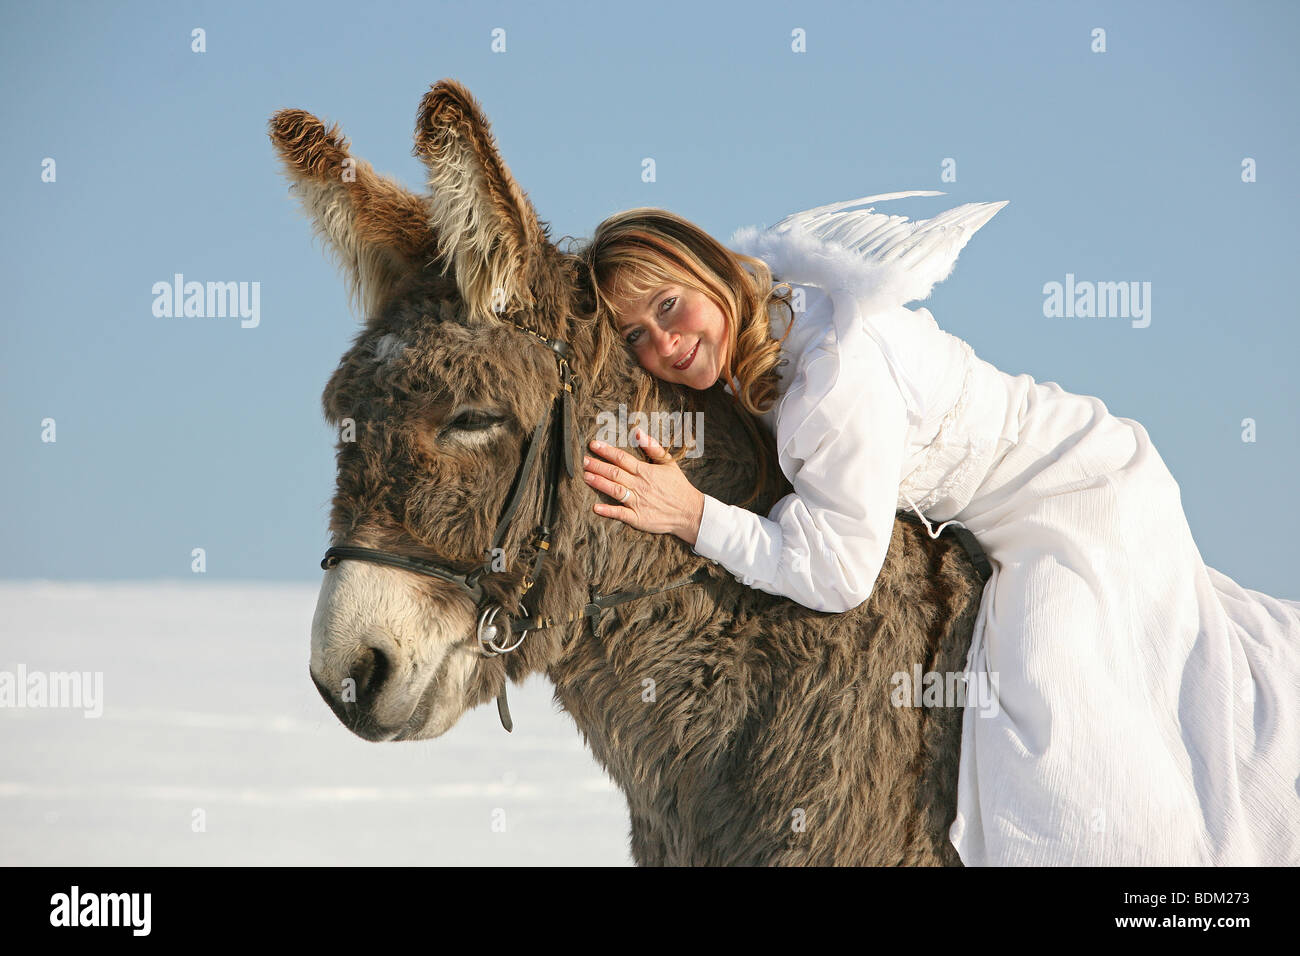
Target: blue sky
180	433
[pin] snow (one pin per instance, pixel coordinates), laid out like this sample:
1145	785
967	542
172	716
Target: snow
207	705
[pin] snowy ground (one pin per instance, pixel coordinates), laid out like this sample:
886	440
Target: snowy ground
208	706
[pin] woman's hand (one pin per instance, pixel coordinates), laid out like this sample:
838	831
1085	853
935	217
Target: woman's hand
653	496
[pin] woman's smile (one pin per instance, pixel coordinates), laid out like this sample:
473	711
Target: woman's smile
678	334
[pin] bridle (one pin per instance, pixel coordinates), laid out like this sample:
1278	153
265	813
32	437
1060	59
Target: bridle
492	643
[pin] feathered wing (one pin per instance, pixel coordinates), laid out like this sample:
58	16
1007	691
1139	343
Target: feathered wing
870	264
882	258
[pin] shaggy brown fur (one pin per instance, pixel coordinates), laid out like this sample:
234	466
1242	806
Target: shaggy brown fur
743	727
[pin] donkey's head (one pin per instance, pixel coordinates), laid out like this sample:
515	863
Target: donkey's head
438	404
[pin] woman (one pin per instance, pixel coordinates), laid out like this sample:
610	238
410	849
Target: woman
1148	706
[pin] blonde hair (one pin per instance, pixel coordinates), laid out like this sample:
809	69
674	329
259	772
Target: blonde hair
637	250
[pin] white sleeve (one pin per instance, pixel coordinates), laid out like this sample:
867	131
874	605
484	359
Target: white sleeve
824	545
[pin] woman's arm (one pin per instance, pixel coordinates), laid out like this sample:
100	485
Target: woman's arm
824	545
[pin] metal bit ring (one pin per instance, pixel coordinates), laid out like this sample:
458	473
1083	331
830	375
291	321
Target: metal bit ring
487	632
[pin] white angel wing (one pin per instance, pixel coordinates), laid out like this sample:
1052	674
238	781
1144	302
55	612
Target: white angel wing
877	261
889	256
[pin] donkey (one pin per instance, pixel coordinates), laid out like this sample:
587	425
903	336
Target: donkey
743	728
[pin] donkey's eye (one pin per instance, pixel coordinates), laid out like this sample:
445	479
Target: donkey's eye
473	421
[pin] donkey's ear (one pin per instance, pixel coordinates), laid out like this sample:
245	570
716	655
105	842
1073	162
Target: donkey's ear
379	231
486	227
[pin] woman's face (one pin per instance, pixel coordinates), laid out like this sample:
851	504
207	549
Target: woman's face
677	334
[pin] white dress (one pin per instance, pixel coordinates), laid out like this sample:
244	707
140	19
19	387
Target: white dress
1147	707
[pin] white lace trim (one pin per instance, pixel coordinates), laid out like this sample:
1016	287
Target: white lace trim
928	488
